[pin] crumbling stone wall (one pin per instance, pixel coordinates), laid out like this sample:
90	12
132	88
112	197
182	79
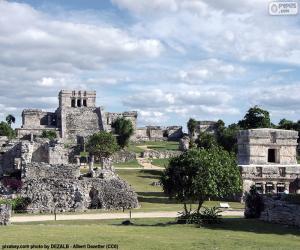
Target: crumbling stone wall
36	170
8	153
5	214
281	212
59	187
123	156
160	154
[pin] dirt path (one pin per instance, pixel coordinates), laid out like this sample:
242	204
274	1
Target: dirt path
109	216
146	163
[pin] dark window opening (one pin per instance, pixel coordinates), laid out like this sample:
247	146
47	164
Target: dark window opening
44	120
271	155
84	103
73	103
79	103
280	187
269	187
259	187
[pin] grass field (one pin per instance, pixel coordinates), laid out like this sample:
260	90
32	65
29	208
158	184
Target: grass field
233	233
129	164
160	162
162	145
152	198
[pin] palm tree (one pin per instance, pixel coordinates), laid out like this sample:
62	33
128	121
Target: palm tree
10	119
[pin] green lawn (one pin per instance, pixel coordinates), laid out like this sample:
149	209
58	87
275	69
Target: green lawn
134	148
129	164
163	145
160	162
233	233
152	198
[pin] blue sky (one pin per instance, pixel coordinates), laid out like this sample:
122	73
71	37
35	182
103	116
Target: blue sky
168	59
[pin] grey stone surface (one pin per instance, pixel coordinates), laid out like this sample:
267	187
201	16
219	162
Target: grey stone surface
184	143
5	214
59	187
281	212
123	156
164	154
42	170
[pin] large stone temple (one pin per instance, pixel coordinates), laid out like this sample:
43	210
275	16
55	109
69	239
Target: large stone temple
76	117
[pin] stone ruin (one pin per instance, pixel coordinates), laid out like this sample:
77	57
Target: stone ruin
280	212
61	188
77	117
5	214
267	159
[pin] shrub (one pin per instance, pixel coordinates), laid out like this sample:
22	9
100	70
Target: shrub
18	204
254	204
210	216
292	198
207	216
50	134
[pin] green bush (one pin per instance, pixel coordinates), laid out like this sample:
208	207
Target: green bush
207	216
18	204
253	204
50	134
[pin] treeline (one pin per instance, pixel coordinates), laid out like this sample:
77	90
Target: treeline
225	136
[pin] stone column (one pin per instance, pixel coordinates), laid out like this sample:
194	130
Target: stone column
81	102
91	163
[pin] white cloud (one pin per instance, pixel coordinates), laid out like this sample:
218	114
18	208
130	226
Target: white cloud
142	7
41	52
210	70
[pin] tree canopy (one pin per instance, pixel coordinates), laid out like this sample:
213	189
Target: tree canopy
255	118
124	130
6	130
199	174
102	144
191	125
10	119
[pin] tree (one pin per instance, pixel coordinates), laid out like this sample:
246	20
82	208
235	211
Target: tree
255	118
6	130
102	145
50	134
227	137
10	119
206	140
124	130
191	125
199	174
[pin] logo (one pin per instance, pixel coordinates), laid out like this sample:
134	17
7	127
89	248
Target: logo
283	8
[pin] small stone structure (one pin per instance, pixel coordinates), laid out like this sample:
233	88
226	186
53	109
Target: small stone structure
5	214
204	126
281	212
158	133
267	159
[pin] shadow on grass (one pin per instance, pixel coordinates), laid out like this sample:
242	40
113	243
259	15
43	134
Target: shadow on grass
234	224
150	174
155	197
160	224
253	226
